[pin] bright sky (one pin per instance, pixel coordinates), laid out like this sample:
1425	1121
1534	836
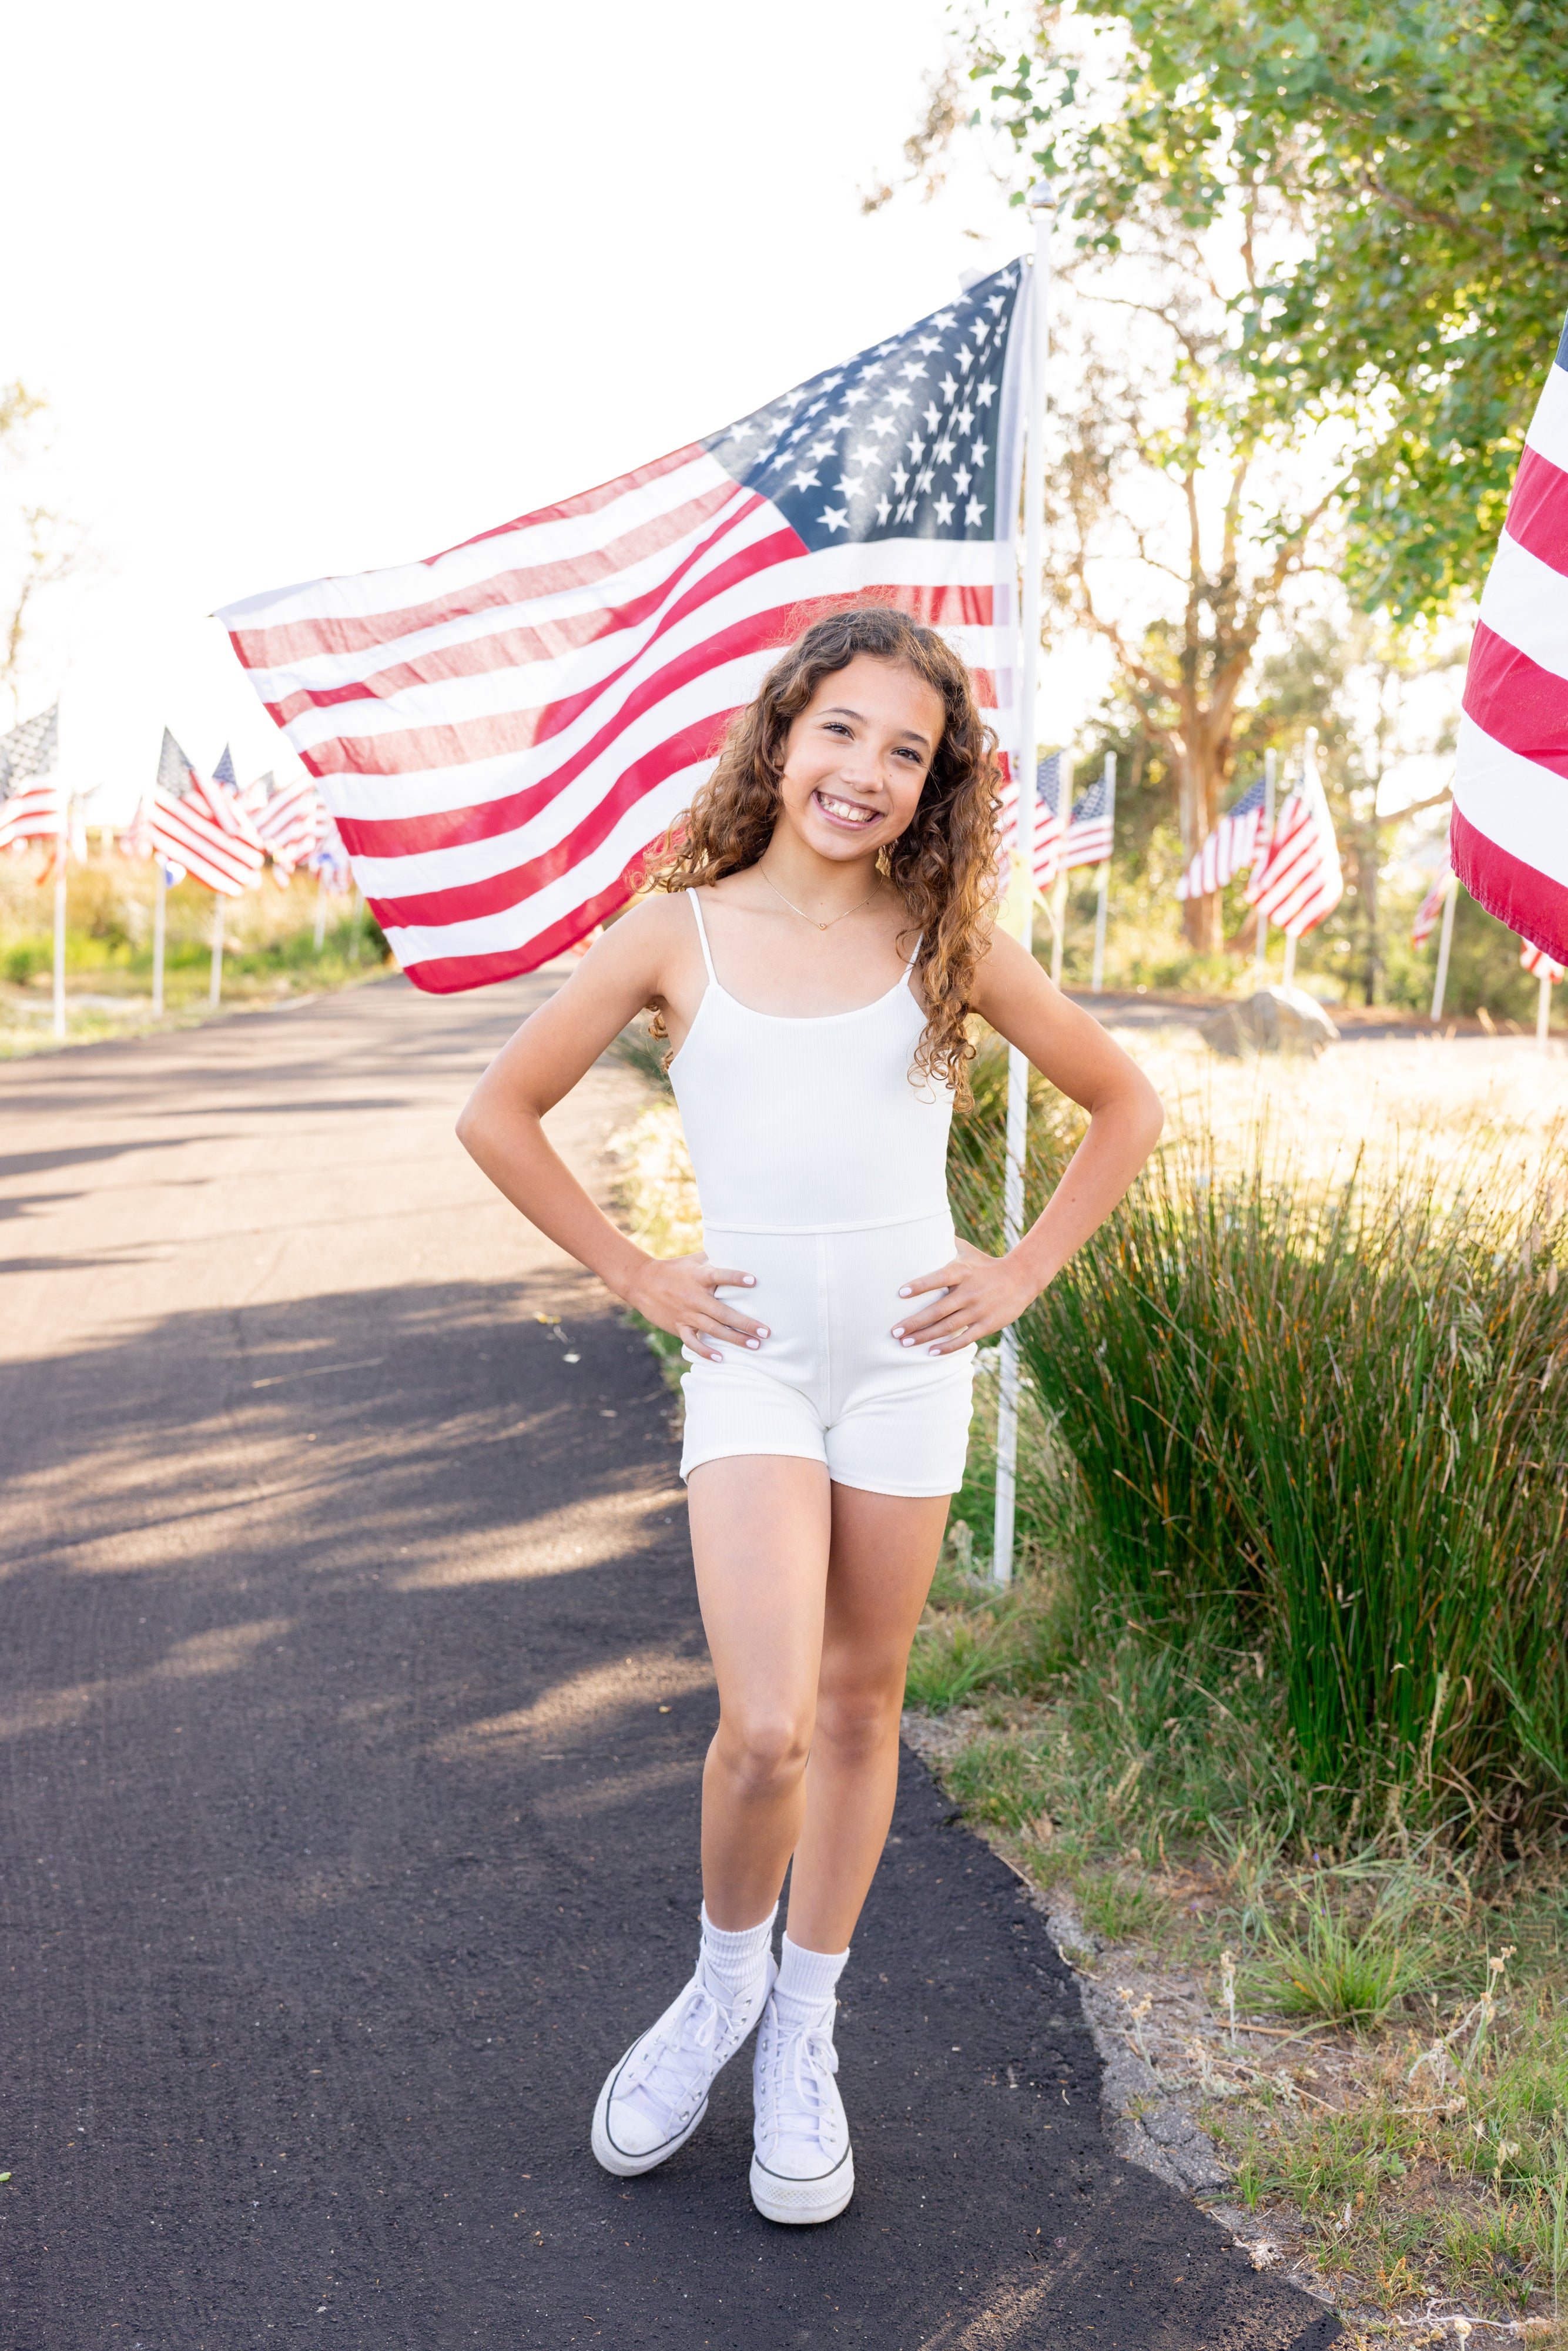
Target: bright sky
332	285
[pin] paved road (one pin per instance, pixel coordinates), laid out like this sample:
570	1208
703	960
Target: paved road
352	1698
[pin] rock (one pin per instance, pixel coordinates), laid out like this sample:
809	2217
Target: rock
1274	1020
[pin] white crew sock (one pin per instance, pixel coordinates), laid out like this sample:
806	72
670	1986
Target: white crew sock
733	1961
806	1985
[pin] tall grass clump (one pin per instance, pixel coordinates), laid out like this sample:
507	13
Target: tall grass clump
1328	1414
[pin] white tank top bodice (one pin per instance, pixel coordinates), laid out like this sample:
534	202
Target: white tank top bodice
810	1126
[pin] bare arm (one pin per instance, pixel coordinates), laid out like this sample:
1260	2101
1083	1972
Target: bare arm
502	1129
1070	1049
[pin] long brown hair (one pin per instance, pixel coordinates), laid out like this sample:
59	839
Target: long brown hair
944	864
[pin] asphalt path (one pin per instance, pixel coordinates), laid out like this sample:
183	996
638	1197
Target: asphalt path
352	1705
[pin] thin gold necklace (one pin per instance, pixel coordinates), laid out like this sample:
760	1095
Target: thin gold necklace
801	910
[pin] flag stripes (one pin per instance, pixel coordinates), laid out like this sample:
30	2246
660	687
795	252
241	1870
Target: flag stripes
1230	848
502	731
1510	783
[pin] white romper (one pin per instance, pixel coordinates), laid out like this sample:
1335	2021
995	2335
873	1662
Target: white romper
820	1166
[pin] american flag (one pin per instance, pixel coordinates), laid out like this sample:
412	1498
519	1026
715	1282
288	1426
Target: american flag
289	823
1510	783
1230	848
502	730
32	803
1537	961
1048	828
200	829
1298	880
1092	824
1431	907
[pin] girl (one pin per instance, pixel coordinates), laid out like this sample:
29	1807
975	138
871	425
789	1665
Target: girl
820	936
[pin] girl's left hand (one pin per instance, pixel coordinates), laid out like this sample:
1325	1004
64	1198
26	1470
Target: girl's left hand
983	1295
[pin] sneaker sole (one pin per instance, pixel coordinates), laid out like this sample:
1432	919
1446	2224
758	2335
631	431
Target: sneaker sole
802	2203
607	2154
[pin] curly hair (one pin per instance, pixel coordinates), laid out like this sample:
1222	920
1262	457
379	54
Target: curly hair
944	864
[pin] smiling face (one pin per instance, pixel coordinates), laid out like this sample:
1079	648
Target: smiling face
858	757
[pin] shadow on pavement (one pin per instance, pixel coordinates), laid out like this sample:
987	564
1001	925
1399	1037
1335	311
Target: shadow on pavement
354	1710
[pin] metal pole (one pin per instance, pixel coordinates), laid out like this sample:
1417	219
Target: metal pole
61	934
1097	980
1544	1010
160	909
1261	949
216	983
320	911
1288	978
1059	897
1039	207
1444	941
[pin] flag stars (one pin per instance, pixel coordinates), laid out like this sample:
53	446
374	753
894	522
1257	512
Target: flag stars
962	477
932	417
965	358
897	397
806	481
836	517
994	302
942	510
900	480
974	514
883	508
978	454
929	343
943	452
984	392
916	448
948	388
911	369
964	418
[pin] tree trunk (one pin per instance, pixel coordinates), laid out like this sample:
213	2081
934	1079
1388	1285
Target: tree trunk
1202	779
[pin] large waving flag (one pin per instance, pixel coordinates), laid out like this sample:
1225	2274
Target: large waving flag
1298	880
502	730
32	807
1511	782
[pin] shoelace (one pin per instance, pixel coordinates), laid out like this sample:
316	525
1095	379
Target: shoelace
658	2070
802	2060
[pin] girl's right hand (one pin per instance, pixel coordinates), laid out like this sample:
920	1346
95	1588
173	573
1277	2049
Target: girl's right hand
678	1294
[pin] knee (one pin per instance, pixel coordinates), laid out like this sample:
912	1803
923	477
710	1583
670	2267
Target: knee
858	1720
765	1753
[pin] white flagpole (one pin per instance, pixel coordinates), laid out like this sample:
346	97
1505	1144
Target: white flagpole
1040	205
1097	980
1065	787
1444	941
60	847
160	919
215	982
1544	1010
1261	953
320	910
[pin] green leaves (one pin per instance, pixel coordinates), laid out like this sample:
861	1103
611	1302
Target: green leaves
1422	147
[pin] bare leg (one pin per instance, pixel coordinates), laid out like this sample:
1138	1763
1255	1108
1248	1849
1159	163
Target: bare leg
882	1560
761	1527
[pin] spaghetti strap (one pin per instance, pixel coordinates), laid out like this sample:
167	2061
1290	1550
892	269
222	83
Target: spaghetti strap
915	958
701	935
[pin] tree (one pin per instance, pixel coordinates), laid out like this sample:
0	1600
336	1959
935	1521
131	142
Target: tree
45	550
1420	148
1165	465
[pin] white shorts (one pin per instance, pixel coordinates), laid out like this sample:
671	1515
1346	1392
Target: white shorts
831	1384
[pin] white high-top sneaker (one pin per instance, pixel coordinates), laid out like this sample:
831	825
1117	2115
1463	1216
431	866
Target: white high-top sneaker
657	2094
803	2170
